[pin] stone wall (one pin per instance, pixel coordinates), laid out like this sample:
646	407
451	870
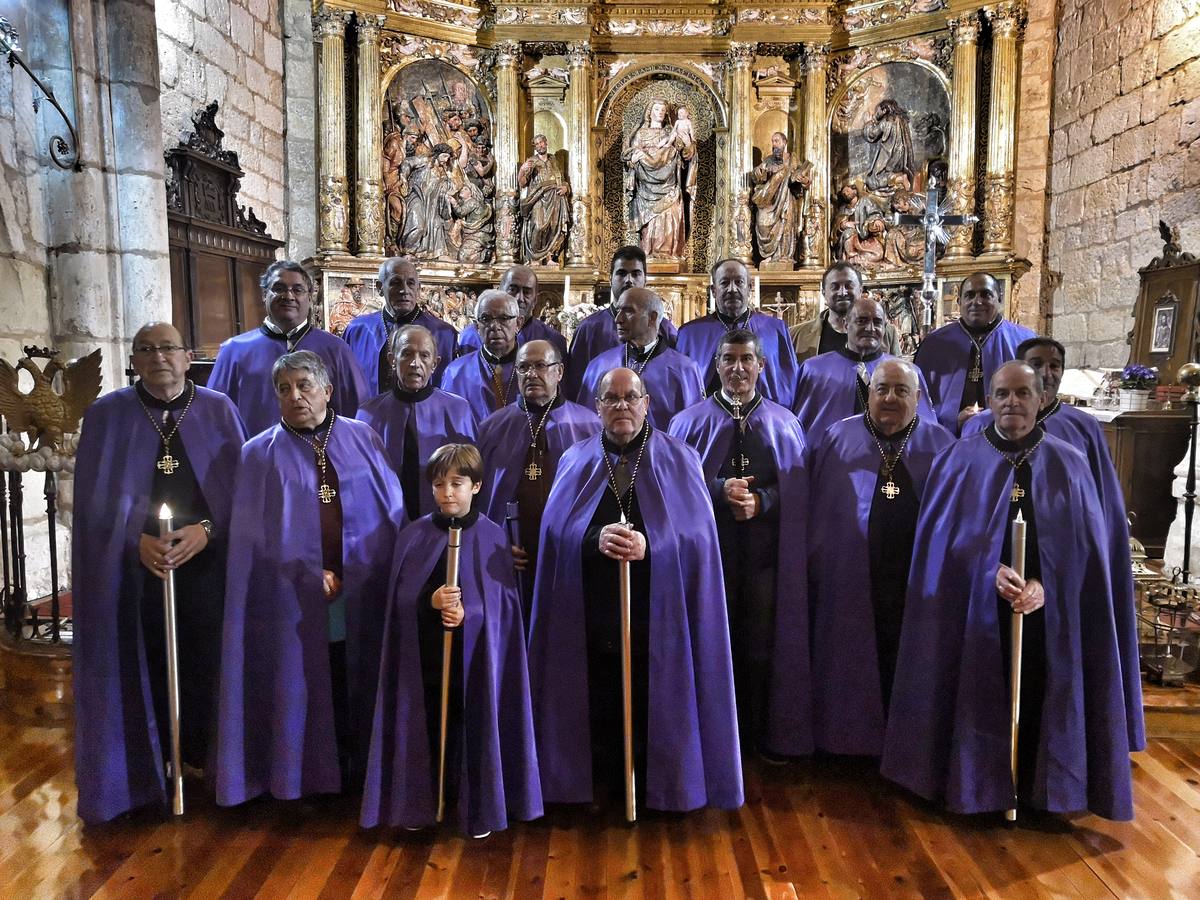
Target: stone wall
1125	153
230	51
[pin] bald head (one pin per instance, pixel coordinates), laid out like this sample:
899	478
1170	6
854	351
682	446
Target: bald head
1014	398
160	329
498	318
539	370
893	395
160	359
399	283
638	312
896	369
623	403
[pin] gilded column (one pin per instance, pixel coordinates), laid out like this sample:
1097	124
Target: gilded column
368	192
1007	20
816	151
507	132
741	160
333	200
961	189
579	107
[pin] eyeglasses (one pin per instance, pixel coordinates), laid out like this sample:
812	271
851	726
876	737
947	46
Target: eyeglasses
165	350
629	400
539	368
485	320
283	290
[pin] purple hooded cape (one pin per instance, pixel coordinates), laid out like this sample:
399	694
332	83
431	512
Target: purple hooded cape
243	373
595	334
945	354
699	339
671	379
367	333
692	754
533	330
442	418
504	443
499	776
470	377
709	429
825	391
947	733
848	713
275	731
1084	433
118	760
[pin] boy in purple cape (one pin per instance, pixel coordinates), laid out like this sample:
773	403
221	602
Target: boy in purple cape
598	331
164	440
1047	357
413	417
521	447
519	282
730	291
833	385
486	378
959	359
399	283
243	368
868	475
316	512
948	724
685	732
672	379
491	760
752	452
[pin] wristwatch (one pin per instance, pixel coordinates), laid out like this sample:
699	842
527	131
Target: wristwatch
207	525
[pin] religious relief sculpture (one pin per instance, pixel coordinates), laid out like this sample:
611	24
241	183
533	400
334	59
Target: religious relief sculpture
658	172
890	138
544	205
779	200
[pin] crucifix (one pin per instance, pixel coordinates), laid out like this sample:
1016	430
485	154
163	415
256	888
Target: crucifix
933	220
1017	493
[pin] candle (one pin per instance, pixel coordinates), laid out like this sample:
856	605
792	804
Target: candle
1018	544
757	288
567	291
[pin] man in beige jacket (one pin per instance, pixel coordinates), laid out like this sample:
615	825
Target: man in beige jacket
841	286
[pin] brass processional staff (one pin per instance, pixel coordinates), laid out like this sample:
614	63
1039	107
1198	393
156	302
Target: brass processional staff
452	552
1014	666
165	526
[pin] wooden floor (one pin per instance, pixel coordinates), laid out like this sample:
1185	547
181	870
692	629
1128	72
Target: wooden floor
827	828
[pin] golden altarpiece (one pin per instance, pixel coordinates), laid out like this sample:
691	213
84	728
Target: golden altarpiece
470	136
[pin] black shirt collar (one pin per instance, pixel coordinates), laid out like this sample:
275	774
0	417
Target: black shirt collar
313	432
558	401
413	396
896	435
980	333
741	321
640	354
293	336
748	407
1002	443
393	319
1044	414
443	523
511	356
854	356
632	447
154	403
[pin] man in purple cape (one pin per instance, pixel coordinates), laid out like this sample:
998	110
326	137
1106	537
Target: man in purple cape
486	379
684	719
316	510
521	283
399	283
522	445
118	562
730	291
1047	357
752	453
243	368
948	724
867	475
959	359
673	381
492	770
833	385
598	331
413	417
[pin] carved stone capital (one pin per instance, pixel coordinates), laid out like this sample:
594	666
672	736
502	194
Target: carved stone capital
741	53
369	28
816	57
964	28
579	54
330	23
508	54
1007	18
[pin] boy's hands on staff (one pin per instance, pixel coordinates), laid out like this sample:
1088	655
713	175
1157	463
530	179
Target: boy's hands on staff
1024	596
331	584
449	601
520	558
620	542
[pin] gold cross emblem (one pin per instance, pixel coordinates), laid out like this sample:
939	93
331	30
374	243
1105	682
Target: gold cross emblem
167	465
890	490
326	493
1017	493
533	471
976	374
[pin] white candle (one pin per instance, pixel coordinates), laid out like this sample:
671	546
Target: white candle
567	291
1018	544
757	288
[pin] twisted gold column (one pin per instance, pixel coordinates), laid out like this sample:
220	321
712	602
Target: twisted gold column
368	194
579	108
741	55
961	188
507	132
1007	20
816	151
333	200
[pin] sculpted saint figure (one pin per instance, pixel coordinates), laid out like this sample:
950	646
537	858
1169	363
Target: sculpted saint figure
778	198
890	137
545	204
657	174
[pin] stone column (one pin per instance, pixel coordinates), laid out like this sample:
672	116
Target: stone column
333	199
816	151
961	189
579	126
1000	190
368	192
507	132
741	160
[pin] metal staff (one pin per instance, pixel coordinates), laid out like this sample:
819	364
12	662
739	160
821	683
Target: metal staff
1014	666
512	524
627	689
452	551
165	527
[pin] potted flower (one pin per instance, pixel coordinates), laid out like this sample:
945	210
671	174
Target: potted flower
1135	384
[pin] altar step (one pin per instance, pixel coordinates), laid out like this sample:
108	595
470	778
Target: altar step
1172	712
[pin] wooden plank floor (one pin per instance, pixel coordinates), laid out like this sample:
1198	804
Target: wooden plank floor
828	828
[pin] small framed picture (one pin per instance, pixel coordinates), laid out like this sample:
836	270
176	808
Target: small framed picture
1162	337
